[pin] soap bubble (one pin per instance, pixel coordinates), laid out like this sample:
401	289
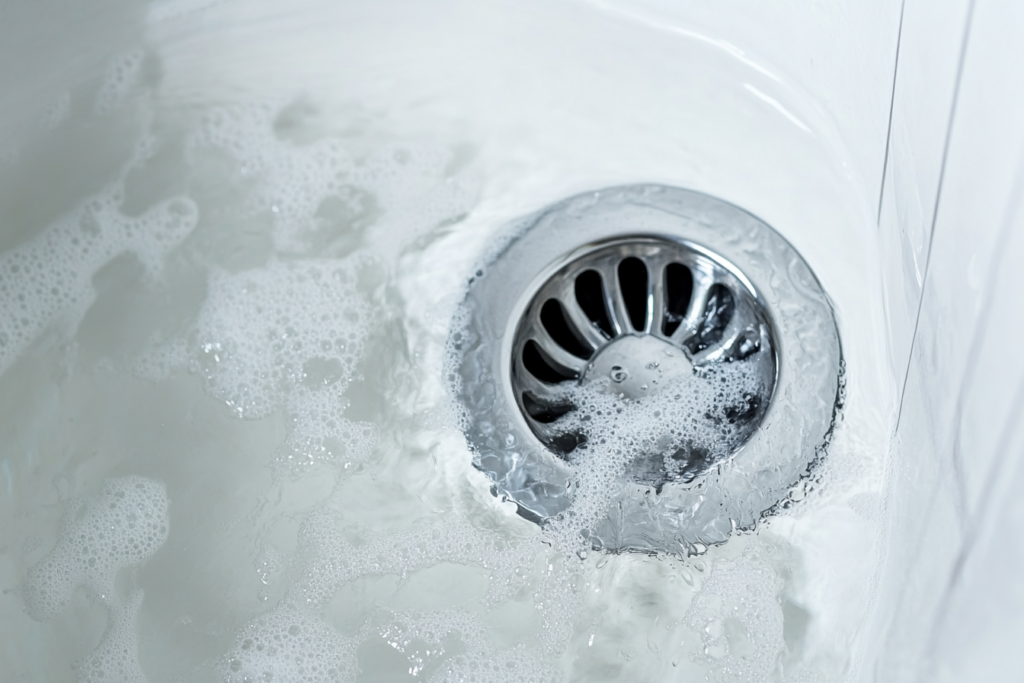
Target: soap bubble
120	528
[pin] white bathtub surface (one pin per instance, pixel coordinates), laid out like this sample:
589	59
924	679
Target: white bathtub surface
232	236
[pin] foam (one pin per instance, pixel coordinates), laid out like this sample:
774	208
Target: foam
332	559
318	194
739	618
262	334
515	665
735	614
328	558
49	280
120	528
116	657
288	336
455	645
635	440
317	433
292	644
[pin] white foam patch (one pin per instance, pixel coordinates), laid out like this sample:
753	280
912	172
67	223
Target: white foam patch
739	618
624	435
319	193
49	280
317	432
515	665
290	644
290	328
288	337
119	528
116	657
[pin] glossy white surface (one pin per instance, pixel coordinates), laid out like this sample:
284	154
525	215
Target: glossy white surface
954	532
911	573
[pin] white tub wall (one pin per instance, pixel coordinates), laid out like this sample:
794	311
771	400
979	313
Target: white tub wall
952	230
929	58
839	54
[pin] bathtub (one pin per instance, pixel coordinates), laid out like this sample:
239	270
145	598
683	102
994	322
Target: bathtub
232	239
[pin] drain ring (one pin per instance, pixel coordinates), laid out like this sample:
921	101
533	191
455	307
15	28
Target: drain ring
754	301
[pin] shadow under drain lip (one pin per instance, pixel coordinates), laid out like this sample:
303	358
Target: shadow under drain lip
655	338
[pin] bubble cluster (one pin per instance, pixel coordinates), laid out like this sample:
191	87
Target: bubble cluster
672	435
116	657
292	644
288	338
446	644
515	665
49	280
318	433
120	528
739	619
321	197
290	328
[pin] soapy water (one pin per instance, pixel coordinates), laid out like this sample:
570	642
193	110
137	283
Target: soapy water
49	280
118	529
315	247
675	434
285	338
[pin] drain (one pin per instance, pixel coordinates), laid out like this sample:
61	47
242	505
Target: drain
638	317
688	316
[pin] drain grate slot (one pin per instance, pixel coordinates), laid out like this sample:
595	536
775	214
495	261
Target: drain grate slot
633	283
553	317
545	414
718	312
678	291
590	296
541	367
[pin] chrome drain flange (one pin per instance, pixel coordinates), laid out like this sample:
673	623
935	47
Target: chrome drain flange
659	292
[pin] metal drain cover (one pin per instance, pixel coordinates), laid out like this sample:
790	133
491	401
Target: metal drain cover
637	317
674	324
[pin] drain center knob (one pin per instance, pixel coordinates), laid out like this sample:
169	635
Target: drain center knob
635	366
